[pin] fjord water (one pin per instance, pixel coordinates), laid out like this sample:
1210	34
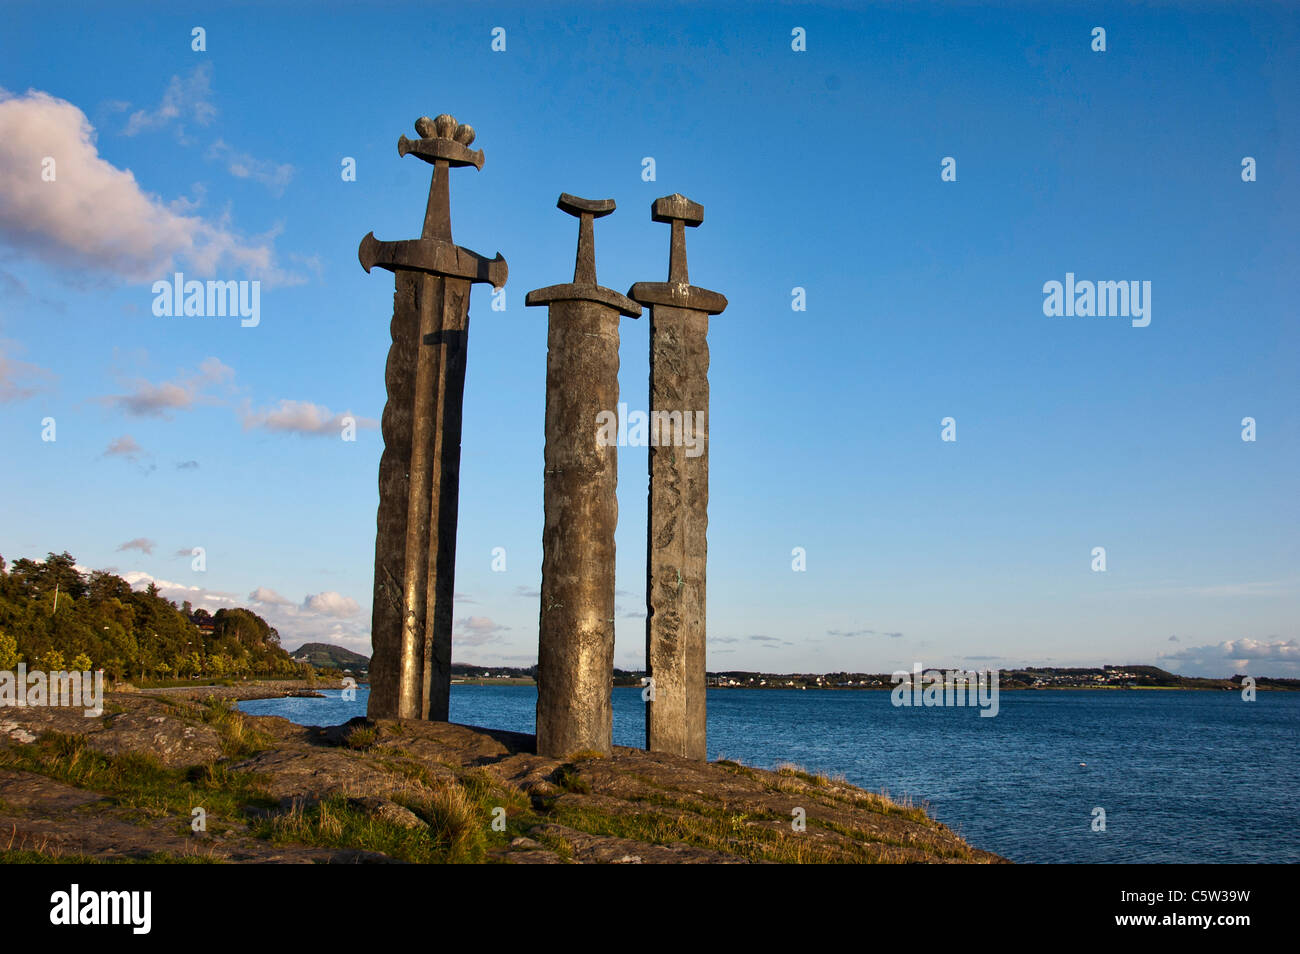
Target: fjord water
1183	776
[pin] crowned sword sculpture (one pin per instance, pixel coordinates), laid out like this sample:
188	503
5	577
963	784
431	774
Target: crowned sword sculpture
678	510
575	658
419	473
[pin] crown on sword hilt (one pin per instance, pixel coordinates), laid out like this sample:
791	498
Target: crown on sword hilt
442	138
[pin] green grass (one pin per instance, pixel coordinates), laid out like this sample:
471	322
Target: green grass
457	806
49	858
238	738
361	737
568	778
137	781
731	834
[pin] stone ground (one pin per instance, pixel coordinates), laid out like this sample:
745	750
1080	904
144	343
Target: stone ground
121	786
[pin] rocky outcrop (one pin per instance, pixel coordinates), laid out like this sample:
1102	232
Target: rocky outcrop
157	775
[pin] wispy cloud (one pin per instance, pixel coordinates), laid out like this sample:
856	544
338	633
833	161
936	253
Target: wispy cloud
274	175
20	380
771	642
861	632
301	417
145	399
143	544
124	446
187	99
477	630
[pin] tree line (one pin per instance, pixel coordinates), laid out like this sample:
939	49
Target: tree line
55	617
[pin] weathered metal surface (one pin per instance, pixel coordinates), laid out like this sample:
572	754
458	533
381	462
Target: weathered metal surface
419	472
576	619
676	545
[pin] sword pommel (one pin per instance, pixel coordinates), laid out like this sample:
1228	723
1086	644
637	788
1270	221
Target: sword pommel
677	206
596	208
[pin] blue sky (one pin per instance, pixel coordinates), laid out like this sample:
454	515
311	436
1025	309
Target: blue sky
818	169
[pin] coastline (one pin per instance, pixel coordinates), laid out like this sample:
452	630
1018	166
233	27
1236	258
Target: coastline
240	692
420	792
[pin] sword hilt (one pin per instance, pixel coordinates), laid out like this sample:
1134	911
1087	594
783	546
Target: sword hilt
584	287
444	143
584	266
678	292
680	212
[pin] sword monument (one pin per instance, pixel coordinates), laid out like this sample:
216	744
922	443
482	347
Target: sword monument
575	654
419	473
678	517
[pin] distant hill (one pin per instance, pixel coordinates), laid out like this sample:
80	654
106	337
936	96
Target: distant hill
325	656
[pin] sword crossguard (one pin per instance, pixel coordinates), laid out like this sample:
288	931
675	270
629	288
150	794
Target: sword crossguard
678	292
584	287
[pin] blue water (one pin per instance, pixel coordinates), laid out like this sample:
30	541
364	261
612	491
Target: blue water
1183	776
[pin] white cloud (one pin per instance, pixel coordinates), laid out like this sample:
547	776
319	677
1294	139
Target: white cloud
186	99
301	417
1255	657
330	603
96	216
178	592
295	624
264	594
1246	648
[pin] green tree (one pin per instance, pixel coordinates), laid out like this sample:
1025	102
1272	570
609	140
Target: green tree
9	655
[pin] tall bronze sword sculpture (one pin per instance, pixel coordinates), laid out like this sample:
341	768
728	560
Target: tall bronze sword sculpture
679	492
575	657
419	473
